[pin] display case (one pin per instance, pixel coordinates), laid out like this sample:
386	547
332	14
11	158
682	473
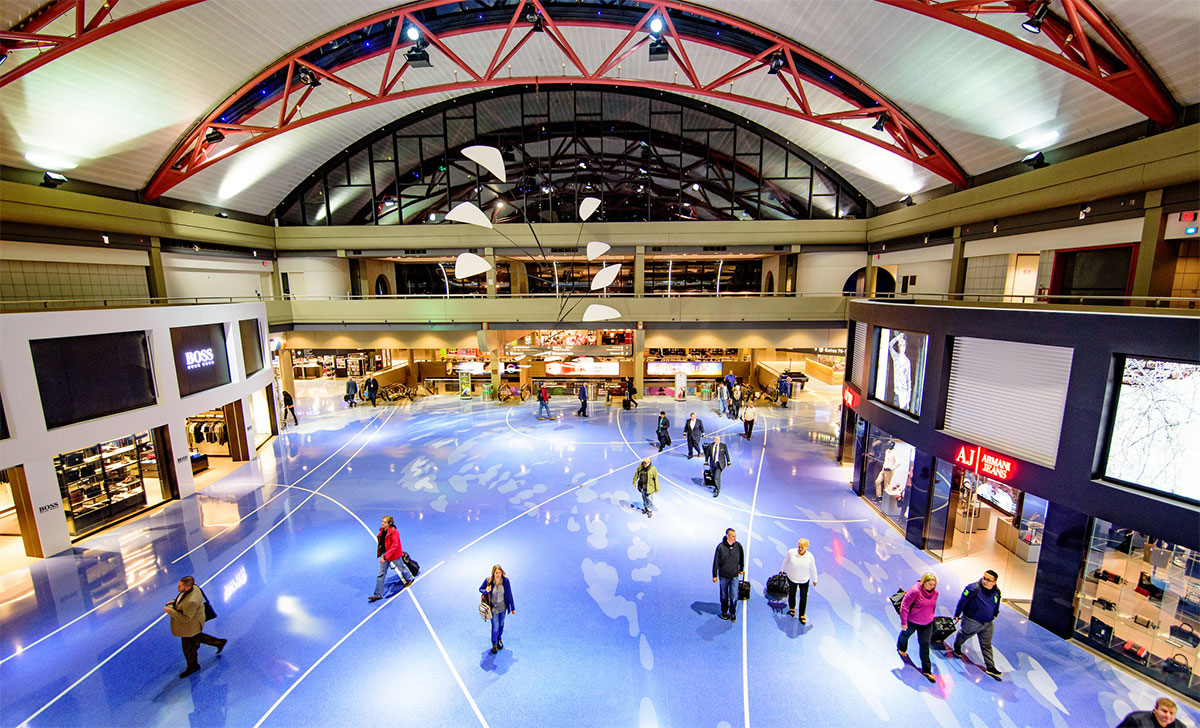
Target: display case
1139	601
101	483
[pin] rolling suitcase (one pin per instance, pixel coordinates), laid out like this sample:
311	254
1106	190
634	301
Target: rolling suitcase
708	478
625	404
943	627
743	590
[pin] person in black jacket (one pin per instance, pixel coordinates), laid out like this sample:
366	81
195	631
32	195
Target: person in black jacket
719	453
289	407
1163	716
371	390
694	430
728	562
663	430
978	607
583	400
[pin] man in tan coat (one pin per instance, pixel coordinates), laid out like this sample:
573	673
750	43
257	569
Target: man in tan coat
187	623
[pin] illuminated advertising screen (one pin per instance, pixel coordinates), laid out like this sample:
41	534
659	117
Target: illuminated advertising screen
201	361
695	368
583	368
900	369
470	367
1155	441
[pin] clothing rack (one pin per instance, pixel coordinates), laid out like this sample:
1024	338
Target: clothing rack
207	433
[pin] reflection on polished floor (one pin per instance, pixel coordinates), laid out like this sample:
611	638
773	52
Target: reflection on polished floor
616	621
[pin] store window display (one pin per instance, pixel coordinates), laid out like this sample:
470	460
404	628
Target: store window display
1139	601
888	474
111	480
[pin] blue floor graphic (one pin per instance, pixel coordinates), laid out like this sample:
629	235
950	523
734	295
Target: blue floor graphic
617	618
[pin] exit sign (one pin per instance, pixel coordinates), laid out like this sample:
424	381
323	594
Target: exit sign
1187	216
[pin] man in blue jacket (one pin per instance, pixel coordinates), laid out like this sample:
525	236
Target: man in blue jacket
978	606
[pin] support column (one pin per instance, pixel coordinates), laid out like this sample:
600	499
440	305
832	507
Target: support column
414	376
155	278
490	255
1155	269
494	356
37	496
869	278
639	359
639	279
958	267
184	477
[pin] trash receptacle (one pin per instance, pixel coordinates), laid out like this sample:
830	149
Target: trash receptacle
706	392
489	394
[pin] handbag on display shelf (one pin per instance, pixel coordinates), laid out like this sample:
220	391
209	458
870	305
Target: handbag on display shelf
1136	652
1100	631
1105	604
1190	604
1106	575
485	609
1178	665
1145	621
1147	588
1156	556
1185	633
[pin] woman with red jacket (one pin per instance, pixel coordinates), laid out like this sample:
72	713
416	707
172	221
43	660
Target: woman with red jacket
389	552
916	615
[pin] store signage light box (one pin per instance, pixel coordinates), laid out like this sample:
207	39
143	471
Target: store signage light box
696	368
595	368
201	361
900	369
985	463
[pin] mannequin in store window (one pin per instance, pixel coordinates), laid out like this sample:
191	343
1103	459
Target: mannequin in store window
891	461
901	372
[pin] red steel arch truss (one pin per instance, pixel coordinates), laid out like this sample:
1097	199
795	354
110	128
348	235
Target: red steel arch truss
901	134
1089	47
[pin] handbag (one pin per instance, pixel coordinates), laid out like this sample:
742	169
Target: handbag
1190	604
1145	621
1156	556
1135	651
1147	588
777	584
1106	575
413	566
743	590
485	609
1185	633
1105	604
896	599
1178	665
209	614
1100	631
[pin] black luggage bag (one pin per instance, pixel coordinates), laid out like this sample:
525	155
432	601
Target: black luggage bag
709	481
777	585
943	627
625	404
743	590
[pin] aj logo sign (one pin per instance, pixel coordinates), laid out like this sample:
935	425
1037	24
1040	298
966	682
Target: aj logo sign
984	462
199	358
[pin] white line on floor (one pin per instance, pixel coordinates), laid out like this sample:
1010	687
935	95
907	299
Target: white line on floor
206	582
233	525
746	612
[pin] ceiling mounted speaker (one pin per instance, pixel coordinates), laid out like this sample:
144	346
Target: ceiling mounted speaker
587	207
489	158
606	276
469	264
595	249
600	312
467	212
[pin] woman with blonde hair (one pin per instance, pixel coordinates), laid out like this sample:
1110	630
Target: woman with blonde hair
498	593
916	615
801	570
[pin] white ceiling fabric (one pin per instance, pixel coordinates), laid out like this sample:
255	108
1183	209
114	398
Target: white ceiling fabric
112	111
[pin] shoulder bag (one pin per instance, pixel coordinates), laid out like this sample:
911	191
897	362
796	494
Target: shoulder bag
1178	665
485	609
1100	631
209	614
1185	633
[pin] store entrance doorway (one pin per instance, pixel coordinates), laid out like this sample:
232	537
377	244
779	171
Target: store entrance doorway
978	523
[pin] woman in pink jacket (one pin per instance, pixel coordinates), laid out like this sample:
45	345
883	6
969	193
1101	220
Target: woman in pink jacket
916	615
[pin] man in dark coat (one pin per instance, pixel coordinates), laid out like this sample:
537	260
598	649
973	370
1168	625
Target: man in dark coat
583	400
728	562
371	390
720	460
351	392
1163	716
289	407
663	430
694	430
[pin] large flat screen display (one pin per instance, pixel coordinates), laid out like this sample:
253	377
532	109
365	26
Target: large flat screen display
200	359
251	345
84	377
1155	440
584	368
900	369
696	368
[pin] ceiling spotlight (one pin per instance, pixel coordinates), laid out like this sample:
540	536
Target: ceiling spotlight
306	76
659	50
534	18
418	57
907	201
3	56
880	122
1083	211
222	214
776	64
545	189
1034	23
214	136
412	33
52	179
696	186
1037	160
656	25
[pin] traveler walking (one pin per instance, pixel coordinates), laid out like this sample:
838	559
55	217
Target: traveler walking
583	400
390	552
916	615
718	463
801	570
498	592
289	407
785	389
663	430
351	392
188	612
979	606
1163	716
693	429
735	401
371	390
749	415
722	398
629	389
728	563
645	479
543	398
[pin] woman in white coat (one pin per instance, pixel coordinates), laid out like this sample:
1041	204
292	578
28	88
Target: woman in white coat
801	570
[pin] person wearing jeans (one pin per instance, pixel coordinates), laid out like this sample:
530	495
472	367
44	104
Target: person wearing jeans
801	570
645	479
498	591
543	398
728	562
979	606
916	615
390	553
